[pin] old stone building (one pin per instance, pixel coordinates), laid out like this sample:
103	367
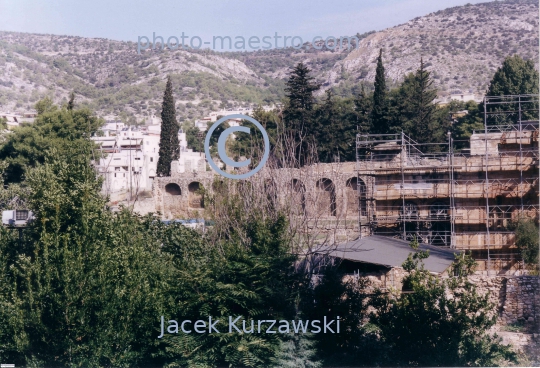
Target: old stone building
465	200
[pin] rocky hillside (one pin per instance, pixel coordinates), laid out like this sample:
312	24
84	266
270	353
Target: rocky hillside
462	46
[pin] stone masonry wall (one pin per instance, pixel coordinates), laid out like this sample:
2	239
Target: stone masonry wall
517	299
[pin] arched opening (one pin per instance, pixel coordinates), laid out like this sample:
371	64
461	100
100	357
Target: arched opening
355	192
195	198
298	197
326	197
173	189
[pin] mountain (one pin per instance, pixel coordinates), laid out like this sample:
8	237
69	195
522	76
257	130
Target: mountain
462	46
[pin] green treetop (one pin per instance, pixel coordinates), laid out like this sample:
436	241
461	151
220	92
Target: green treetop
515	77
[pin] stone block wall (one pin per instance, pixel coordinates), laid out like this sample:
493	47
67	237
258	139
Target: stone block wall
517	299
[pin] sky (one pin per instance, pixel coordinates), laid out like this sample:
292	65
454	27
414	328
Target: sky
127	20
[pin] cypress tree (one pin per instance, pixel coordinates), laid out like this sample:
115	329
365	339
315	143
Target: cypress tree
380	104
169	149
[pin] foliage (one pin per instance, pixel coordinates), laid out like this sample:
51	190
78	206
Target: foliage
89	285
527	240
340	295
514	77
466	125
45	105
3	123
335	129
248	275
363	105
437	322
28	145
298	351
168	140
193	137
250	145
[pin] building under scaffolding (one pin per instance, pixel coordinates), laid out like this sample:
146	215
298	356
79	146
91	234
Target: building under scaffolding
465	199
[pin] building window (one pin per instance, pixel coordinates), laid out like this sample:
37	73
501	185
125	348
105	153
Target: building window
151	159
21	215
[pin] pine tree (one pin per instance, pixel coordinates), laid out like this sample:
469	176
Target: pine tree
380	103
299	91
299	111
426	127
169	149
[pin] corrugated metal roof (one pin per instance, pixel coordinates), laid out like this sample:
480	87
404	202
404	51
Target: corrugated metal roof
390	252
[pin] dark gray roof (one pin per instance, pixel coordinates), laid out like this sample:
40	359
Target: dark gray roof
391	252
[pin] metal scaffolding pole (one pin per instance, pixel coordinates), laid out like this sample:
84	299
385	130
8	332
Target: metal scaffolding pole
452	200
486	186
403	185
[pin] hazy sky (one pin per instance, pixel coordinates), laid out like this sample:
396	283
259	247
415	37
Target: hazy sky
125	20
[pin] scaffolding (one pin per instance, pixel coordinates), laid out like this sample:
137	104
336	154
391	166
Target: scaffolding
448	195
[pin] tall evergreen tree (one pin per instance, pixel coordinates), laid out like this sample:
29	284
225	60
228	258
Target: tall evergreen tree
299	110
169	149
426	127
380	103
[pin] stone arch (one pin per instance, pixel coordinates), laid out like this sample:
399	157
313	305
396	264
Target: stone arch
355	193
326	197
173	189
195	197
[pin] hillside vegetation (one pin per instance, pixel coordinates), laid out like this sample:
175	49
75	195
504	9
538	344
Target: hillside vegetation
461	46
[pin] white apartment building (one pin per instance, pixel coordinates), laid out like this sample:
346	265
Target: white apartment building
131	156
